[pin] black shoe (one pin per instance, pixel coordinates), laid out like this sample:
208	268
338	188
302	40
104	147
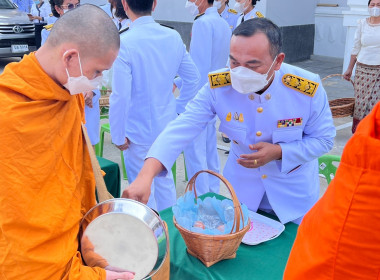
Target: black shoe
226	139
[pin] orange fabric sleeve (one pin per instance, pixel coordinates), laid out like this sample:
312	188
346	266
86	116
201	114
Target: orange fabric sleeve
339	237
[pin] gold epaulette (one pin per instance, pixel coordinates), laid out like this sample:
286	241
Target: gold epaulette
198	16
232	11
220	79
259	15
300	84
49	26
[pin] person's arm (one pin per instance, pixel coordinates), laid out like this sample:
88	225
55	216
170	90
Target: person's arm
318	134
171	142
355	51
190	80
77	271
120	97
348	74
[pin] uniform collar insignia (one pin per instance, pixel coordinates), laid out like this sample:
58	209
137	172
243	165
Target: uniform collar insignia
220	79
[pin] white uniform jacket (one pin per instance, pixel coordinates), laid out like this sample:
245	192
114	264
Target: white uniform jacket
293	112
231	16
142	102
254	13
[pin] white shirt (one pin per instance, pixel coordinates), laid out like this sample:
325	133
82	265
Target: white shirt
367	43
43	11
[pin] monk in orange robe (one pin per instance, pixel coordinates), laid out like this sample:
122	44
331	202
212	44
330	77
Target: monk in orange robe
46	178
340	236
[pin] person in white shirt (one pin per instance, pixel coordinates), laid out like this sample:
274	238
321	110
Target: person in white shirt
119	16
247	10
366	55
39	14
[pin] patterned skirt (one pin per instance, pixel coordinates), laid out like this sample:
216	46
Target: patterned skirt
367	91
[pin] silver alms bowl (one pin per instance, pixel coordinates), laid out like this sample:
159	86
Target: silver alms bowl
124	235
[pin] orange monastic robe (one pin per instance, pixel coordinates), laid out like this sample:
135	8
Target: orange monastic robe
340	237
46	180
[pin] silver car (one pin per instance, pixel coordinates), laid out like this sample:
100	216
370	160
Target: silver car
16	31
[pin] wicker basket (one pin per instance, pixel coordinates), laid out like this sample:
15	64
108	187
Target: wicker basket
213	248
341	107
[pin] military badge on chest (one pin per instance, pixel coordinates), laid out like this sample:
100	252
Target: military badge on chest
237	117
289	122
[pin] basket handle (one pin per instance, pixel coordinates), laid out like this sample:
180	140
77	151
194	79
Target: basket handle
237	207
335	75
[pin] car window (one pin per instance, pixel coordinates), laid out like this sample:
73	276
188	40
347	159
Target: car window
6	4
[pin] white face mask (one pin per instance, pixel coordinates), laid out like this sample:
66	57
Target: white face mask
192	8
81	84
246	81
217	4
240	7
374	12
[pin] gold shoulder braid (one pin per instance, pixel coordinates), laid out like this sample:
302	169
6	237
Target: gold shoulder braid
232	11
300	84
198	16
219	79
259	15
49	26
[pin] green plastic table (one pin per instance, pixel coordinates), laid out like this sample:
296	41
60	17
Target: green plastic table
265	261
112	177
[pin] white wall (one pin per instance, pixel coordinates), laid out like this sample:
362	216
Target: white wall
341	3
330	34
291	12
172	10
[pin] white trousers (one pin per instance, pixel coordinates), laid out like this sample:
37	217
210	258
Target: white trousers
163	192
202	154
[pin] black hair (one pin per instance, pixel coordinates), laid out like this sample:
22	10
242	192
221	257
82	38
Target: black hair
254	2
53	3
119	12
250	27
58	3
210	2
140	7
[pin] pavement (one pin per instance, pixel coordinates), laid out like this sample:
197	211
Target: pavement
335	87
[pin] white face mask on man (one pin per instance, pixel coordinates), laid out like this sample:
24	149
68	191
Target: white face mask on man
374	12
240	7
81	84
217	4
192	8
246	81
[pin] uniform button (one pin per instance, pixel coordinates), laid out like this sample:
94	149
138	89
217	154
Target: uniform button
264	176
268	96
251	96
258	133
260	109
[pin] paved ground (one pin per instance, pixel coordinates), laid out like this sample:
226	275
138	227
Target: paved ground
335	88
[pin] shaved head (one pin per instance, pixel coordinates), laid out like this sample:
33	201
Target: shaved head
89	28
